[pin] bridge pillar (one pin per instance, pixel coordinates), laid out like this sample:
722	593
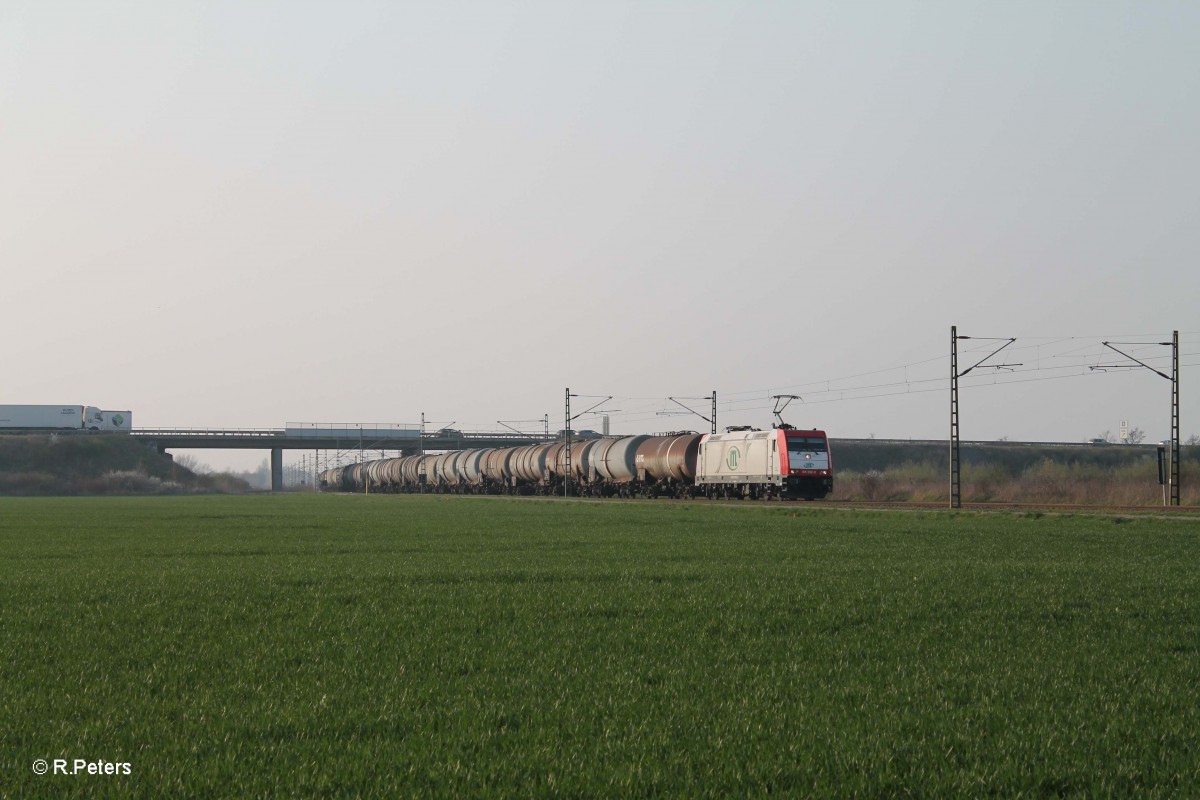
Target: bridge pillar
276	469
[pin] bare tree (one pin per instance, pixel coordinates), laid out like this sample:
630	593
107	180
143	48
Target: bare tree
1193	440
1135	436
191	464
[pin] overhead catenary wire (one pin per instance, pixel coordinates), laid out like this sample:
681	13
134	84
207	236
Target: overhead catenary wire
1051	358
1081	352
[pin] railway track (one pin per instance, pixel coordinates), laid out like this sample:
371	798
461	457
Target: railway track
1059	507
1174	512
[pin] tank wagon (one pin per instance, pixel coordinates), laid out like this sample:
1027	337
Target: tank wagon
783	463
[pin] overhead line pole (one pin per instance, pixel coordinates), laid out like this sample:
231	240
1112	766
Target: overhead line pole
1173	479
711	420
1175	418
955	496
567	448
567	435
955	460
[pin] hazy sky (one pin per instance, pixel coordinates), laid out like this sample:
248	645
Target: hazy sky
243	214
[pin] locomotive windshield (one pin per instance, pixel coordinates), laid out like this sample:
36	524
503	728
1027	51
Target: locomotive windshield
811	444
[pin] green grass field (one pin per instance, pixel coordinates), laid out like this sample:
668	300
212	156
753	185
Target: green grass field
459	647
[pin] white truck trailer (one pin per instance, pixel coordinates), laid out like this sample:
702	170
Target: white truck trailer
63	417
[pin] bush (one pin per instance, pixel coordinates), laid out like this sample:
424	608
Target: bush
132	482
1047	481
874	485
125	481
222	482
29	483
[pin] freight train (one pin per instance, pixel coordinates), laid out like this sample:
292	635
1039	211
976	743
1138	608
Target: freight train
782	463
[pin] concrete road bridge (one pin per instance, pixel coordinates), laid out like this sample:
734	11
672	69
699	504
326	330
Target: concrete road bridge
406	440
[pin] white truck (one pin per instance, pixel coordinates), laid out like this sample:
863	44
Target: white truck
63	417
